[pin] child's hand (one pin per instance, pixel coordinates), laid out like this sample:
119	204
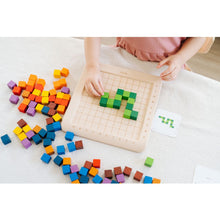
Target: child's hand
174	63
93	82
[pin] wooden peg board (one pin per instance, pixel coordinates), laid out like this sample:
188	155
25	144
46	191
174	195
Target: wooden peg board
86	118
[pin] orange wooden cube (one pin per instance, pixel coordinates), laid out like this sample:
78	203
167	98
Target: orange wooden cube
26	101
93	171
57	85
49	150
17	90
53	92
41	81
65	102
64	72
29	88
75	181
52	98
66	161
39	87
61	109
36	129
22	84
63	82
66	96
22	107
58	101
38	99
32	97
156	181
96	163
31	83
33	77
25	94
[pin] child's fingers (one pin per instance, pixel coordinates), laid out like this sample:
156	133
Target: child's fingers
162	62
170	76
90	89
167	71
97	87
101	85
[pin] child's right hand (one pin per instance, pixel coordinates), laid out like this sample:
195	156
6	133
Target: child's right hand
93	82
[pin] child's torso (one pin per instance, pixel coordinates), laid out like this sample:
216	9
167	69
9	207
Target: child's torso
151	48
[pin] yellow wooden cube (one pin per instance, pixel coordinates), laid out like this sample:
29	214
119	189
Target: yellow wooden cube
22	136
57	73
36	92
49	150
75	182
26	128
45	93
17	130
45	100
60	95
39	107
93	171
66	161
57	117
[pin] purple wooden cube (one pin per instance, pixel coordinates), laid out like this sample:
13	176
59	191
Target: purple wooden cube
74	168
26	143
32	104
65	90
30	134
106	180
11	84
120	178
14	99
31	111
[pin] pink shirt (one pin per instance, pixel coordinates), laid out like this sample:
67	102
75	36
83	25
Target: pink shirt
151	48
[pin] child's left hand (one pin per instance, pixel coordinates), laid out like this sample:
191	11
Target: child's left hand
174	63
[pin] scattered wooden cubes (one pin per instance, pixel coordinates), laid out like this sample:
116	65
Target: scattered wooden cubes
156	181
14	99
79	145
108	174
17	90
93	171
11	85
83	171
5	139
64	72
46	158
97	179
56	117
60	149
148	180
120	178
57	74
58	160
117	170
88	164
49	150
66	161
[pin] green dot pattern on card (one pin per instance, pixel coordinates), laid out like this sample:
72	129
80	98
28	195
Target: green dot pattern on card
167	121
115	103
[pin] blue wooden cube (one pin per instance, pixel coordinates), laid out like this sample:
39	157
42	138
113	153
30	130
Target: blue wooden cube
42	133
66	169
69	136
114	181
5	139
37	139
56	126
83	171
47	142
148	179
60	149
71	146
50	127
84	179
73	176
51	135
46	158
97	179
58	160
45	110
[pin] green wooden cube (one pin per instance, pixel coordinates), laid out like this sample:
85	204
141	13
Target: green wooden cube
117	104
132	95
110	103
131	100
134	115
118	97
106	95
129	106
127	113
148	162
125	95
120	92
103	102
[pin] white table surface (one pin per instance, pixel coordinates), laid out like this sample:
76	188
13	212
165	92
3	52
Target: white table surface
194	97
